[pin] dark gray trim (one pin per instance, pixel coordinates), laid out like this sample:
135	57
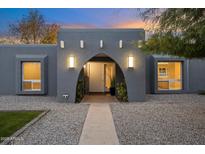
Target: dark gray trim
184	74
43	59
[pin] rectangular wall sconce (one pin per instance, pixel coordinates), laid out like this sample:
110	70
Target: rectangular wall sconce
139	44
62	44
101	43
71	62
81	44
120	44
130	62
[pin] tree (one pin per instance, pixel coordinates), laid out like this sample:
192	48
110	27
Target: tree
50	34
179	32
30	28
33	29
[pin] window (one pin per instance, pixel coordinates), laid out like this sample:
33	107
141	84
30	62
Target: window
31	76
169	75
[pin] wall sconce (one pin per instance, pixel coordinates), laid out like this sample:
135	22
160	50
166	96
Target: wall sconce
71	62
120	44
81	44
62	44
139	44
130	62
101	43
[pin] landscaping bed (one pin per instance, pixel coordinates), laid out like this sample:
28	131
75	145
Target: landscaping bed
160	123
11	121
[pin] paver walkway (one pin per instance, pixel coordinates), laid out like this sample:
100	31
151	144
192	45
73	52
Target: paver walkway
99	127
99	99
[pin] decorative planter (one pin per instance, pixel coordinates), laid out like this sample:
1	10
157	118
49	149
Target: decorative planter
112	91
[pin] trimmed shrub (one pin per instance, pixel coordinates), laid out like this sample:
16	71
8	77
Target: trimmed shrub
80	91
121	92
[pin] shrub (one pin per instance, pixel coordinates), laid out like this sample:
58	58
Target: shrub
121	92
79	91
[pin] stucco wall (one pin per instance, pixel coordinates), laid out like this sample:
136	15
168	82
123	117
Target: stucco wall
8	65
193	73
67	78
196	75
149	74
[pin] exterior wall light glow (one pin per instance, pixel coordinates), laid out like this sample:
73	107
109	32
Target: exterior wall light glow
71	62
140	44
81	44
130	62
120	44
101	43
62	44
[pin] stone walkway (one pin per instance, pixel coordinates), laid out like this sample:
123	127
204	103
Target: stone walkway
99	127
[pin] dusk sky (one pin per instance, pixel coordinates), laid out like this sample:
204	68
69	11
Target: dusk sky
78	18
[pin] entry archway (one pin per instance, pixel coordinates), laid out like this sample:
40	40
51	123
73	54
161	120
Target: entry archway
134	78
103	76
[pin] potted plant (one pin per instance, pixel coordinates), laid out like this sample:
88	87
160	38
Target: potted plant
112	87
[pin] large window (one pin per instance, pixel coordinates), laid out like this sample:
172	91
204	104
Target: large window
31	76
169	75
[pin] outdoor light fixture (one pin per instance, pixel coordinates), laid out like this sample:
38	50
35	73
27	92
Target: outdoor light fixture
120	44
130	62
84	66
101	43
81	44
140	43
71	62
62	44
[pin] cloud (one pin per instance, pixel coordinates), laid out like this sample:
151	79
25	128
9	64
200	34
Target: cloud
123	24
131	24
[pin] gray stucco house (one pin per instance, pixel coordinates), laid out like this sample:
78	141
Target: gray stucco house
97	56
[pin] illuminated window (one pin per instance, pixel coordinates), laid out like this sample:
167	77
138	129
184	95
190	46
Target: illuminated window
31	76
169	75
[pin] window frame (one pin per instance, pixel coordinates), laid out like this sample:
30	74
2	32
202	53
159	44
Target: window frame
183	74
20	59
32	81
173	80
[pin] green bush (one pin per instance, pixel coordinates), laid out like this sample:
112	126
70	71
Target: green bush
80	91
122	92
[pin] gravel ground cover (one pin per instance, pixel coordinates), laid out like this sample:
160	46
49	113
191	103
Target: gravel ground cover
62	125
162	119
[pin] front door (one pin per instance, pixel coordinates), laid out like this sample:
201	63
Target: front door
96	77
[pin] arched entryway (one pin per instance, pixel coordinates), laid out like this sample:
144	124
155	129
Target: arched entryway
67	77
101	80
